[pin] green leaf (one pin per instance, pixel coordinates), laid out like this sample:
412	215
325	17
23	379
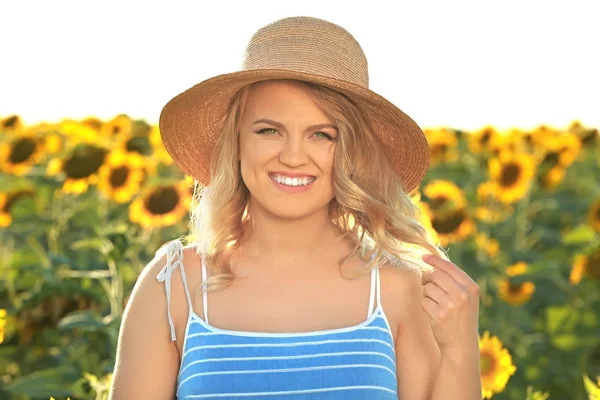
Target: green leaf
85	320
49	382
561	319
565	342
581	234
104	246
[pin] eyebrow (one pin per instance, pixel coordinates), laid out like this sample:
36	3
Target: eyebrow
280	125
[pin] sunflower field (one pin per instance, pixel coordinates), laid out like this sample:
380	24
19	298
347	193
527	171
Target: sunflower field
84	204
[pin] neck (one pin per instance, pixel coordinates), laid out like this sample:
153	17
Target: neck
281	242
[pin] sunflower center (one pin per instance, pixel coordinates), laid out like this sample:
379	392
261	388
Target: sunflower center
450	223
485	137
510	174
84	162
593	265
551	158
118	176
10	121
598	213
139	144
438	202
515	288
589	137
22	150
438	151
162	200
488	364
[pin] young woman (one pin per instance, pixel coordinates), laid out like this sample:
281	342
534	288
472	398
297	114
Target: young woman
308	275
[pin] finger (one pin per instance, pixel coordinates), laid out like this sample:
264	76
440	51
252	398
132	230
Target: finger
435	293
450	268
443	280
430	307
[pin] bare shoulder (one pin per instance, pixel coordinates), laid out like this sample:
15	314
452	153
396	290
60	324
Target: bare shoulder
415	344
147	360
400	291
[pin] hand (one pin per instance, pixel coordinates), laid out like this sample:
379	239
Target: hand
451	299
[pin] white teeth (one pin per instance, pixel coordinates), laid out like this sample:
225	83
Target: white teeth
286	180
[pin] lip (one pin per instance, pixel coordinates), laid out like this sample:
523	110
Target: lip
291	174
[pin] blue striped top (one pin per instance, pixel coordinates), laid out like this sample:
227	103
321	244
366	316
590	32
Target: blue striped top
355	362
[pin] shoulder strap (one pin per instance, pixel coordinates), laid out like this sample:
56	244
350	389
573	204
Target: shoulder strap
378	286
204	296
174	252
371	294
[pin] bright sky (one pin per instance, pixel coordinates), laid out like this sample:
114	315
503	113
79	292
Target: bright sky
463	64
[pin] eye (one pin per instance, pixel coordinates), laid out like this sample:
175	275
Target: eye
266	129
325	135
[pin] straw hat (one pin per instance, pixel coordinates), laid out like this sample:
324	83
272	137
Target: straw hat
301	48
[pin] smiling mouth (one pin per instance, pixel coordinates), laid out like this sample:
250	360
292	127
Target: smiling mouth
288	181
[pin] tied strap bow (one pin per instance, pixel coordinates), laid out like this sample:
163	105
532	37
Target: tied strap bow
174	250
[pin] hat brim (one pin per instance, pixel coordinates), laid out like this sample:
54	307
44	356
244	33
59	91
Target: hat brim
191	122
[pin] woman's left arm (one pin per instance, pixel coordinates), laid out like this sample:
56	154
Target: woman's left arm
451	301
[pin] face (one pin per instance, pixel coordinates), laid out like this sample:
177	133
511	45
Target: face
284	133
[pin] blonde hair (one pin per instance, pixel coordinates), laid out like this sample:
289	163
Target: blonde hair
370	205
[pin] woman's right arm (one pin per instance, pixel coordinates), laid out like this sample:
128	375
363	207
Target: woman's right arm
147	361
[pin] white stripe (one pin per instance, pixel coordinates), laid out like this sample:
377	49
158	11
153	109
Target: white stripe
347	353
264	371
204	324
198	396
375	328
293	344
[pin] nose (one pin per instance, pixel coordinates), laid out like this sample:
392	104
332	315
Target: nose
293	152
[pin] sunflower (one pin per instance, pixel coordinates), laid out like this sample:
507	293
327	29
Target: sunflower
594	215
588	136
513	293
10	124
442	144
119	125
92	122
517	269
512	174
507	141
121	176
160	206
425	219
496	365
585	265
159	151
78	132
7	199
80	168
552	178
541	134
561	149
490	246
490	209
5	217
2	323
479	141
592	389
22	152
139	144
449	227
445	196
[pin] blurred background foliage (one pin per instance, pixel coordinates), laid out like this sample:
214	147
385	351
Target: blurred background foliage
85	204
